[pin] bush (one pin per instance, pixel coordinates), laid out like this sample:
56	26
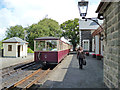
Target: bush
1	46
94	55
30	50
98	56
87	53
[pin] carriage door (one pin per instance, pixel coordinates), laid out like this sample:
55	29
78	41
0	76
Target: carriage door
18	50
86	45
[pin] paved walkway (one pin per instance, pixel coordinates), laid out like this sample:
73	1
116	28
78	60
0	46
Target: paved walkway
7	62
68	74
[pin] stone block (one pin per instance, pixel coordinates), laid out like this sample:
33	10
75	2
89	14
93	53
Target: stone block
109	37
114	20
115	82
119	24
115	51
113	58
118	43
110	50
109	77
116	27
112	29
112	43
116	10
119	16
109	24
115	35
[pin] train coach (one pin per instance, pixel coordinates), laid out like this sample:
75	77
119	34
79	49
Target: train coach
50	50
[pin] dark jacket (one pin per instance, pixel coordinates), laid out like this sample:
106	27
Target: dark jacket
80	55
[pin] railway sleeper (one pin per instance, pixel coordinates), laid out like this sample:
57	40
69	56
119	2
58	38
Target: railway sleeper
17	67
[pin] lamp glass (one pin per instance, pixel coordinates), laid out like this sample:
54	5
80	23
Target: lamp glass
83	6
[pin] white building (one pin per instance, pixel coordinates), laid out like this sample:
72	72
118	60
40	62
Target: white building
15	47
98	43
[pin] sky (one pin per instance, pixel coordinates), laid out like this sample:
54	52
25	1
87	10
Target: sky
28	12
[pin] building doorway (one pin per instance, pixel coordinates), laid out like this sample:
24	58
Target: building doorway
18	50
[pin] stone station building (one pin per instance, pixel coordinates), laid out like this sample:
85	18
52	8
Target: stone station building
111	13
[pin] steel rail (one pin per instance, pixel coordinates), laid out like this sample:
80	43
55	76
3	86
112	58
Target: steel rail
17	68
23	80
39	77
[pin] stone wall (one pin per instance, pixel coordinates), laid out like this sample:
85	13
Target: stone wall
119	43
112	45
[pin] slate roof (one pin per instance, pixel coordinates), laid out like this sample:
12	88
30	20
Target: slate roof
88	25
14	40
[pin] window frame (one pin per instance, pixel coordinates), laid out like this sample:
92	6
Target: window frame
88	45
9	47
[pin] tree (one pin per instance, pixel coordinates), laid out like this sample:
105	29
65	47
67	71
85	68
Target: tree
71	31
44	28
15	31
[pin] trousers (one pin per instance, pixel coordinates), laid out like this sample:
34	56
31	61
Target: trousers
80	61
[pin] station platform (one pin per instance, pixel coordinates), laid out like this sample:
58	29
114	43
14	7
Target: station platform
7	62
68	75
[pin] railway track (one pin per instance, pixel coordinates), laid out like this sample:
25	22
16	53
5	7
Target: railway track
23	76
28	81
16	69
18	73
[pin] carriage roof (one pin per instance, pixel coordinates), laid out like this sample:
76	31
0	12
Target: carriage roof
47	38
53	38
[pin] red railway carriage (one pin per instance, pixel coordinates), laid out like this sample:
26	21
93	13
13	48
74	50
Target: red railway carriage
50	50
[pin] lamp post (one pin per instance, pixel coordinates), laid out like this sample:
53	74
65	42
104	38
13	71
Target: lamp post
83	7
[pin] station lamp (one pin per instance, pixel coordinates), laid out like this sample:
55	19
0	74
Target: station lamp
83	6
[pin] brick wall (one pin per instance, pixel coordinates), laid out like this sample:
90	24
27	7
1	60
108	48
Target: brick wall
112	45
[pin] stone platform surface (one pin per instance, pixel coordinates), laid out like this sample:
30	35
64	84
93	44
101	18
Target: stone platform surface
68	75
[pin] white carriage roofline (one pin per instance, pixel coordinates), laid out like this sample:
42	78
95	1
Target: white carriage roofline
53	38
47	38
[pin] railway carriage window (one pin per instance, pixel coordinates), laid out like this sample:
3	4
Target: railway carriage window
46	45
40	45
49	45
54	45
60	45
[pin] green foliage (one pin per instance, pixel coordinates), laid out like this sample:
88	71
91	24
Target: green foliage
15	31
44	28
30	50
71	31
1	47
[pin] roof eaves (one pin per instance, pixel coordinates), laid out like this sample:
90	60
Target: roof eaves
102	6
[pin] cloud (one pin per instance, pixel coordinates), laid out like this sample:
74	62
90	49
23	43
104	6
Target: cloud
2	33
27	12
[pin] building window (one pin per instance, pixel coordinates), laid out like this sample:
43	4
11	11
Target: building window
86	45
9	47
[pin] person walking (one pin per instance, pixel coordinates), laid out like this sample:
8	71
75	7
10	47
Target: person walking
80	57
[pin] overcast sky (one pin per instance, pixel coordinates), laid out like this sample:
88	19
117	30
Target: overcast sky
27	12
